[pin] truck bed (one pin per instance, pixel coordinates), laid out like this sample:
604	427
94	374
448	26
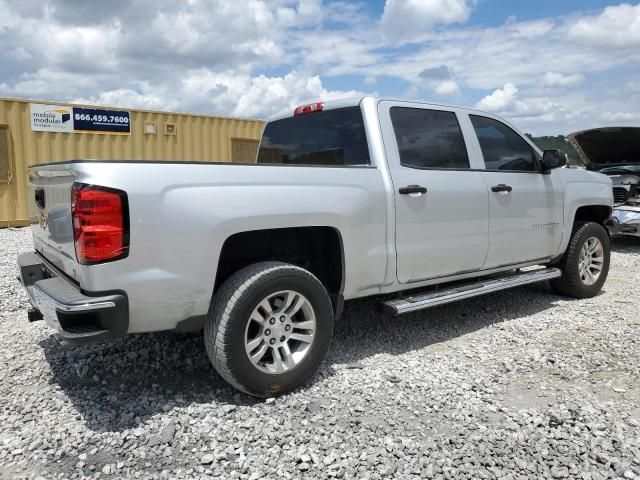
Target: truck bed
180	215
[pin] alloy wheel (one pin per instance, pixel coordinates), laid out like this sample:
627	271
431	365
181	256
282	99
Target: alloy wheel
280	332
591	261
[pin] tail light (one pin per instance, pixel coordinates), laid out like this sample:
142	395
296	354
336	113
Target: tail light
100	223
304	109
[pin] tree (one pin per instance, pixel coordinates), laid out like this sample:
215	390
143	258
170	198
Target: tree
557	143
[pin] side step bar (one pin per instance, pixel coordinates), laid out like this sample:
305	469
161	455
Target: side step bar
399	306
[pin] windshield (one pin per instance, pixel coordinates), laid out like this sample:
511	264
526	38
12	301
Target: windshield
332	137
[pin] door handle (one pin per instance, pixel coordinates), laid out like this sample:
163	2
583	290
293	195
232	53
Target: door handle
409	189
501	188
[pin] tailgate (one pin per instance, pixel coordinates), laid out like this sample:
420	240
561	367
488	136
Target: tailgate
50	205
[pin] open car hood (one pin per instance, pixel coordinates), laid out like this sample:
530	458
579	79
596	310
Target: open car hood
607	146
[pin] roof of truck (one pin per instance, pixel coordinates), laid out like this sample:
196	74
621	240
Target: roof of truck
354	101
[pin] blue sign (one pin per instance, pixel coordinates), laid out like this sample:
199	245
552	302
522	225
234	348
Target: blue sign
97	120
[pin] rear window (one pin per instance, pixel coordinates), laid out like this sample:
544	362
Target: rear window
332	137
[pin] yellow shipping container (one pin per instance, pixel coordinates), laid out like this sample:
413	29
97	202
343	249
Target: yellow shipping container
153	136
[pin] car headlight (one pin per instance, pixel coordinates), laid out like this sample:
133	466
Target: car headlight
627	216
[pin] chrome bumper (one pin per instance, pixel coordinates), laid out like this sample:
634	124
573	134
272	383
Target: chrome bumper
625	221
77	317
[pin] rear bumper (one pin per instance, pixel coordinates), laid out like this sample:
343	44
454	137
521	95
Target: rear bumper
624	221
78	317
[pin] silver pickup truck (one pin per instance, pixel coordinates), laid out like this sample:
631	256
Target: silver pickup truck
419	204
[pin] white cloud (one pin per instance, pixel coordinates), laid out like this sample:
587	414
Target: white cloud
145	52
319	50
447	87
370	80
620	116
500	100
310	9
232	56
632	86
404	19
228	93
257	96
507	101
531	29
47	83
20	54
519	52
441	79
8	17
488	58
617	26
554	79
129	98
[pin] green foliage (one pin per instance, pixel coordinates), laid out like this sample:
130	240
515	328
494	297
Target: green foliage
557	143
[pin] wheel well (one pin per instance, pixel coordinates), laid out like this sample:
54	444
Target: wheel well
316	249
593	213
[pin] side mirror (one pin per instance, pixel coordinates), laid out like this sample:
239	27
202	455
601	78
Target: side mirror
553	159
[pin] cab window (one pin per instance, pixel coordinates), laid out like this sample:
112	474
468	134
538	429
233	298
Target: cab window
502	148
429	139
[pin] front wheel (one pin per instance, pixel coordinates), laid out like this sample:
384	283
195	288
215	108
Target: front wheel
585	264
269	329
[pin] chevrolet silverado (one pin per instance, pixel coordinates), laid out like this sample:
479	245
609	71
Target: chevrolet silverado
415	203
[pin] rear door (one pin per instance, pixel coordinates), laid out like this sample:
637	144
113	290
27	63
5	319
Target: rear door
441	202
525	205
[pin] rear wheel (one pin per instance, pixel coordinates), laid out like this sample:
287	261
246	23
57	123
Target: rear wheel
585	264
269	329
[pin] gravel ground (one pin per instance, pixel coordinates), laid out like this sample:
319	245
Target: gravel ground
518	384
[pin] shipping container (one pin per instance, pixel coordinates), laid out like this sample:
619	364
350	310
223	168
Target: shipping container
34	132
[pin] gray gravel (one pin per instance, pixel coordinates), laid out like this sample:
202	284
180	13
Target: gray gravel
518	384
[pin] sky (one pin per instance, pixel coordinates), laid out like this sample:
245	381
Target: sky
549	66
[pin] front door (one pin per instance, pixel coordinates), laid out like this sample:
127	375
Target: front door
525	205
441	203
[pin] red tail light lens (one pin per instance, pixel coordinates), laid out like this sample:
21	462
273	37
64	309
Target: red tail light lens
100	223
304	109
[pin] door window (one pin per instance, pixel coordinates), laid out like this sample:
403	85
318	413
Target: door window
429	139
502	148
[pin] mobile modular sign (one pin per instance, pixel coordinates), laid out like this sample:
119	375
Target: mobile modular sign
51	118
60	118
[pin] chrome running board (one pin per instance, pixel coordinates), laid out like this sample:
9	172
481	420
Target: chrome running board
399	306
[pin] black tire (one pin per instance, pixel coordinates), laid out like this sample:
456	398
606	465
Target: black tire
570	283
233	304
